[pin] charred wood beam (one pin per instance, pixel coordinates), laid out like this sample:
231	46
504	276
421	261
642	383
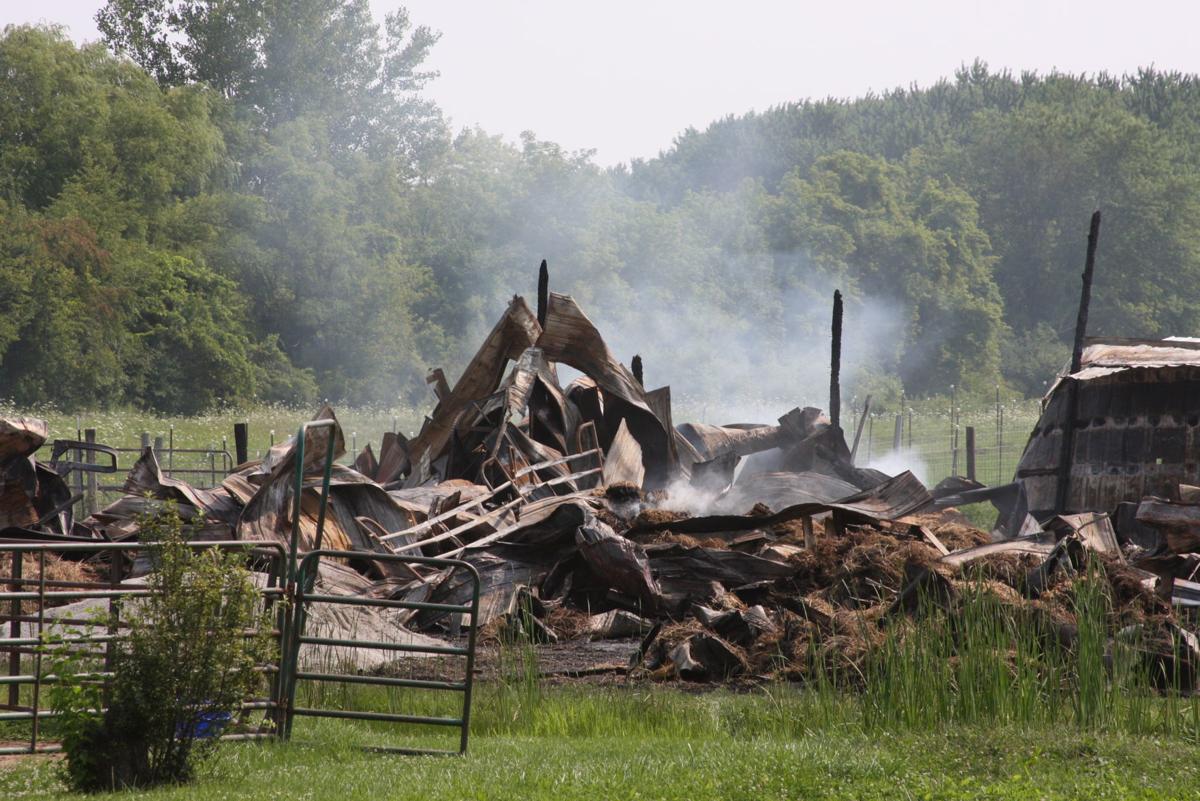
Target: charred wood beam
1085	295
793	427
636	366
755	440
543	299
241	442
971	452
835	363
1066	457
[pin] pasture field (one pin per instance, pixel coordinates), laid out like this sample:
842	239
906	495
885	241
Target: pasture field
581	743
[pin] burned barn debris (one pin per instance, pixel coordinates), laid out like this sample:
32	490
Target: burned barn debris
590	514
1134	424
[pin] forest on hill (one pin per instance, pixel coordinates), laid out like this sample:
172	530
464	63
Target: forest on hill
259	203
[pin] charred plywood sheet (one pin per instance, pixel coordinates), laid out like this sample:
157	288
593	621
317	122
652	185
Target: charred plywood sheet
572	339
624	462
516	331
893	499
780	490
21	436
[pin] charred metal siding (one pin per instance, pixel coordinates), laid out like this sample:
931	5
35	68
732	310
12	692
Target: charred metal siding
1136	434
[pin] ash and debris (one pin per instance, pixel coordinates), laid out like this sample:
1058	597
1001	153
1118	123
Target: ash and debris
623	546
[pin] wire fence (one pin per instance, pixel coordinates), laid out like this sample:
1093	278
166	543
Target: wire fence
980	443
985	441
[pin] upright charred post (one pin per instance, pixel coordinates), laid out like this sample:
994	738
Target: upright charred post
835	363
543	293
1066	456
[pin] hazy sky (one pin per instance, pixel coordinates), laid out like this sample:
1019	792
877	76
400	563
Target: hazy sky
624	77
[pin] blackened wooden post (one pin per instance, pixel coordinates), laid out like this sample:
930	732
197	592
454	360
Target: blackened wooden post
241	441
898	432
637	370
1085	295
835	363
1071	400
971	452
953	430
543	293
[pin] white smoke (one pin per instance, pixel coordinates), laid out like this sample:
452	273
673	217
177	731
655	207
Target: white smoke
897	462
681	496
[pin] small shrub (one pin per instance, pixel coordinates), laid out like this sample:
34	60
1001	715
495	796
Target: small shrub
180	675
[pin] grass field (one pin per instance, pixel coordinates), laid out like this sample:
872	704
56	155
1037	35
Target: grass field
716	745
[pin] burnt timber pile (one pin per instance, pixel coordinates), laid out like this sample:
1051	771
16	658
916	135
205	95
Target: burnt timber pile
591	515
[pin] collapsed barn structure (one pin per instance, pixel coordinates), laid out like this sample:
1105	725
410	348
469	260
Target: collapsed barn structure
710	551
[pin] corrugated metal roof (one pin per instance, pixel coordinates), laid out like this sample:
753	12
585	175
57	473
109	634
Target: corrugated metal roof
1128	353
1108	355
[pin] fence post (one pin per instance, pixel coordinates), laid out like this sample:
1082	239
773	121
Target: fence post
14	632
241	442
971	452
78	480
145	440
89	437
158	449
898	432
1000	447
114	609
953	430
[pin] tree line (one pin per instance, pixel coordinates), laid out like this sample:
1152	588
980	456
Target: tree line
253	200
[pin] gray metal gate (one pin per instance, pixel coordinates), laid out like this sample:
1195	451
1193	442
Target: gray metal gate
306	596
31	611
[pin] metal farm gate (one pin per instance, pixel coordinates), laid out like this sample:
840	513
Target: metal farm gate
306	597
37	608
85	618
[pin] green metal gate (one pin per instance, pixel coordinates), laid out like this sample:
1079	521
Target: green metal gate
302	594
34	613
289	591
306	596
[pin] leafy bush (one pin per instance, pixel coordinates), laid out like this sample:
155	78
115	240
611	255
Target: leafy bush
180	675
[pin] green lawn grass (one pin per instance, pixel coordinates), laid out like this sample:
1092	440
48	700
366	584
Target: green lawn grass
973	706
326	761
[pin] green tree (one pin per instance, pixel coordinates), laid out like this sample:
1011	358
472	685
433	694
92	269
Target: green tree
285	60
914	241
105	303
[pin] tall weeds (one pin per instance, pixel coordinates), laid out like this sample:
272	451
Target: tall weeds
987	661
980	660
